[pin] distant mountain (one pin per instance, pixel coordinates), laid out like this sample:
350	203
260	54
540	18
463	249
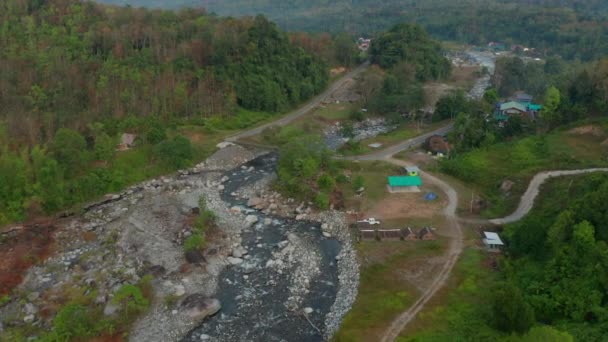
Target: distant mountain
575	29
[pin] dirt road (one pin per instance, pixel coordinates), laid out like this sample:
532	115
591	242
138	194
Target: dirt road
405	145
527	200
454	250
310	105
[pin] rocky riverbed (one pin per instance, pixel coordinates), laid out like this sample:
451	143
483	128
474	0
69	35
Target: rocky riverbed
275	269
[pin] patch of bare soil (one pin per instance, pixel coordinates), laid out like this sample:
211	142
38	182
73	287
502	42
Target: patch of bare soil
20	250
421	272
605	142
406	205
592	130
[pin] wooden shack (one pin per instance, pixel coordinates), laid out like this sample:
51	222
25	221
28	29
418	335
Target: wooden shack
426	234
389	234
408	234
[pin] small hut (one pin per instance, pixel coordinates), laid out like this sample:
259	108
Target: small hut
426	234
492	241
408	234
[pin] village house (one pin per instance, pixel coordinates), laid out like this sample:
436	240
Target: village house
492	241
426	234
520	104
408	234
127	141
404	184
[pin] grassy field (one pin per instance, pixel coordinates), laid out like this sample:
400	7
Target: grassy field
374	175
484	170
383	292
459	311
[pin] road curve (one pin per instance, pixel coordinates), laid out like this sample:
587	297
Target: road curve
527	200
405	145
310	105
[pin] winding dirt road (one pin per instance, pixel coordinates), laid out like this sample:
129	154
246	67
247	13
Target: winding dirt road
304	109
527	200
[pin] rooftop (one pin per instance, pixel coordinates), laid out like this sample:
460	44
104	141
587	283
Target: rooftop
493	238
513	104
404	181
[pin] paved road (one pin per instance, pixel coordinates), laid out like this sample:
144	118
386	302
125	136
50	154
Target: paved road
310	105
527	200
406	145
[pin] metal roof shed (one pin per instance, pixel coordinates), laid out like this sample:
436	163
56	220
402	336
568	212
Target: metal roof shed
492	240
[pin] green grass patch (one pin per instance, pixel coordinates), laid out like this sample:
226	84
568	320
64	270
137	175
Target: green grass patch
462	314
374	176
383	293
485	169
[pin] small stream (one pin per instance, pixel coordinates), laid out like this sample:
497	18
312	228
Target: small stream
254	296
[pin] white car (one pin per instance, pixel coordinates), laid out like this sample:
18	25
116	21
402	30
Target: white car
372	221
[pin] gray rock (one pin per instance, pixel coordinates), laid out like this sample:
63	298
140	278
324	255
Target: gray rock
29	318
251	219
30	309
110	309
326	234
308	310
198	307
205	337
234	261
180	290
254	202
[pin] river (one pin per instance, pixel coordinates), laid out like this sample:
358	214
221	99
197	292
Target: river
263	302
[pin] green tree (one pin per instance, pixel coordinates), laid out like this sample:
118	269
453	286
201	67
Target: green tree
175	153
510	311
326	182
550	113
345	49
69	149
105	147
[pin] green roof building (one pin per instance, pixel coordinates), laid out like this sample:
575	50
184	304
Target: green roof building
404	184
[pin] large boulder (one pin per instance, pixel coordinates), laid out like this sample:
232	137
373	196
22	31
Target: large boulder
198	306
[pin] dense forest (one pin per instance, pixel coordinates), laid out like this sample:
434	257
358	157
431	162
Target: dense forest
76	75
572	28
559	261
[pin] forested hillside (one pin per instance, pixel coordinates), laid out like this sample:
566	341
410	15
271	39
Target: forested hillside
571	28
76	75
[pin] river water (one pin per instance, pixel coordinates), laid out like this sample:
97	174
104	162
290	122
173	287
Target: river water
255	298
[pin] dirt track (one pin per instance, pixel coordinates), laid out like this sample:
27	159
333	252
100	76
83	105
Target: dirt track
309	106
454	250
527	200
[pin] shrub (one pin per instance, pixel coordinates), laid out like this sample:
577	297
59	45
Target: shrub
73	321
175	153
131	300
322	200
358	182
326	182
194	241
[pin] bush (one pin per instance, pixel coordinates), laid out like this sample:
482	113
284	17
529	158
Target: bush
175	153
322	200
358	182
326	182
357	115
194	242
72	322
131	300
